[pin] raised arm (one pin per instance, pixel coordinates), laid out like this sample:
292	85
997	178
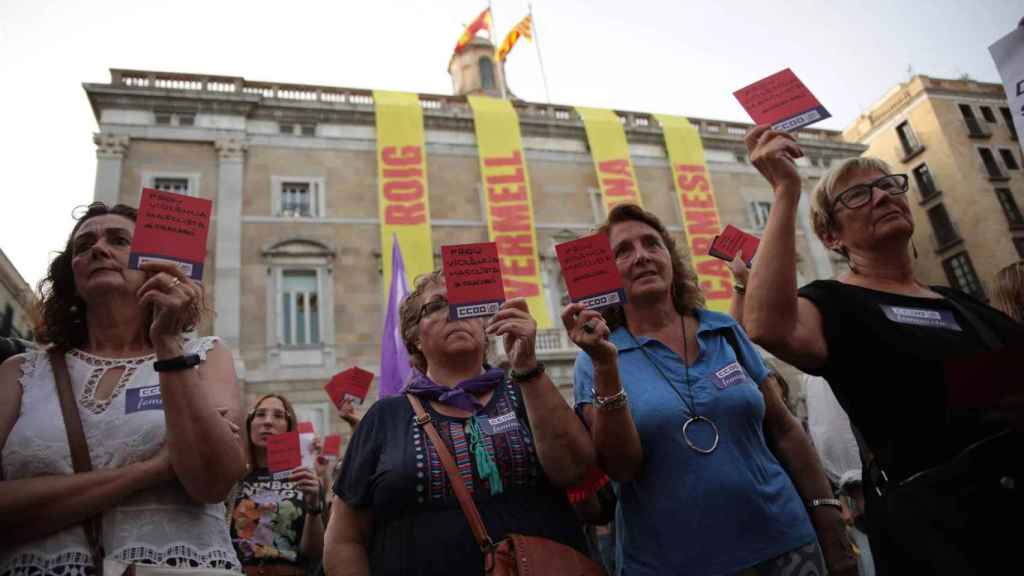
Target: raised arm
563	446
31	508
773	315
616	440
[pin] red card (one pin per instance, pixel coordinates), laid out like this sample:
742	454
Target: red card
781	100
283	452
171	228
353	384
332	445
980	381
472	274
590	273
306	428
731	241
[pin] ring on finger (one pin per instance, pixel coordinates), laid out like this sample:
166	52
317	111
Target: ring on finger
588	328
175	283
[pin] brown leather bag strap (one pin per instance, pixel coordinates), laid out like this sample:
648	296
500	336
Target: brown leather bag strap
80	459
469	508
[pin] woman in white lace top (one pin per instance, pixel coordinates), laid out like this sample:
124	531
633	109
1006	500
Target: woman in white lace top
164	444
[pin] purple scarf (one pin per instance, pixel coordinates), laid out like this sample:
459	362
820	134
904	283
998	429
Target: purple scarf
462	396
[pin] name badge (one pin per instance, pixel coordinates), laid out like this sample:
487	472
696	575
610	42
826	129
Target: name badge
922	317
498	424
730	375
139	399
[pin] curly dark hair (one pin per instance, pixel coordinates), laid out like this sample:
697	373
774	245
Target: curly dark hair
61	309
686	293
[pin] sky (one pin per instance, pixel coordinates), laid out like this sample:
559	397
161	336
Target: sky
669	56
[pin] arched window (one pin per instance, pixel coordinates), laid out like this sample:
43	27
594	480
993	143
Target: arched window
300	324
486	73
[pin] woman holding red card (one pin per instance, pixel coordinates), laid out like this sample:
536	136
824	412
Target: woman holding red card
940	485
515	440
151	418
682	411
276	519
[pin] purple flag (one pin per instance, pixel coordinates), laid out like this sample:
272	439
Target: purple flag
394	359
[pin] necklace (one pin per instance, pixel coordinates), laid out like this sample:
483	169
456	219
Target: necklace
690	404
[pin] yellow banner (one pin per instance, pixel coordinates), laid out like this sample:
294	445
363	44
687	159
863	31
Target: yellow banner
698	207
402	184
510	221
610	150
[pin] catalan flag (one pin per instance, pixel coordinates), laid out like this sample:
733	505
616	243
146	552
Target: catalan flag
524	28
481	22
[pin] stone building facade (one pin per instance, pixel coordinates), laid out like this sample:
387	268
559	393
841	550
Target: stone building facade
956	141
17	302
292	172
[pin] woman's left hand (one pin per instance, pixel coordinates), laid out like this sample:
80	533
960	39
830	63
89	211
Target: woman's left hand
174	298
836	548
514	322
306	482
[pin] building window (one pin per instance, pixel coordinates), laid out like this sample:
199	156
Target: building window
163	118
298	197
1010	208
945	232
759	214
974	128
176	185
1009	160
961	275
908	139
176	182
991	166
1008	119
486	73
925	183
186	119
741	157
300	308
308	129
989	116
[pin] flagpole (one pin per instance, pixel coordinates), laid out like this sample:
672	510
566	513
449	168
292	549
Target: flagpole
502	63
536	44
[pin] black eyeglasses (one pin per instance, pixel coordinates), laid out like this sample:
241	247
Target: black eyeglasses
859	195
433	307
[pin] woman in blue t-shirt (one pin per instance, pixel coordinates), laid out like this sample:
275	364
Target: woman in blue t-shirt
679	405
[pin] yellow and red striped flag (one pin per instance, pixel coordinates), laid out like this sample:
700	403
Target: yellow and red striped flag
482	21
524	28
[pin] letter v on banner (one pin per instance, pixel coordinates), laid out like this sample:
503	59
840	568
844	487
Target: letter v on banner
510	221
610	151
698	208
404	207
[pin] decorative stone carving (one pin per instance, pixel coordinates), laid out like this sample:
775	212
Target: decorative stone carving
109	146
230	149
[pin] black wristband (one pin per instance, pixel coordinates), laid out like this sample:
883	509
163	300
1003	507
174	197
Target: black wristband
519	377
177	363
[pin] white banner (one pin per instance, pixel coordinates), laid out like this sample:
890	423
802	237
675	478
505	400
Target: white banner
1008	53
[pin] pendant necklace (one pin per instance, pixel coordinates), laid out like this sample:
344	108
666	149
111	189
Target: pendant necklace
691	404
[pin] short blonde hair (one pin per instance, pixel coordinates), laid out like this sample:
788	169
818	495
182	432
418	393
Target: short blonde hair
824	193
1009	290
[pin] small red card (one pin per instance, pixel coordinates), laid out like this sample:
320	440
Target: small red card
781	100
590	273
472	274
171	227
306	428
734	241
352	384
332	445
283	451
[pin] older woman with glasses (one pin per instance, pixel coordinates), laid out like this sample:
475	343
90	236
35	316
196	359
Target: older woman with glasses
883	340
516	442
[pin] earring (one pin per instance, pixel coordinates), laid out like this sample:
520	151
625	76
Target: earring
914	247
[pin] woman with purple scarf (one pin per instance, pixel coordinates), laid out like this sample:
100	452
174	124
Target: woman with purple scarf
516	442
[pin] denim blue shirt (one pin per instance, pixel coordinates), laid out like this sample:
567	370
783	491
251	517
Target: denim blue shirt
687	512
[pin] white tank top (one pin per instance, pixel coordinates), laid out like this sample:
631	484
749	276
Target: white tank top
161	525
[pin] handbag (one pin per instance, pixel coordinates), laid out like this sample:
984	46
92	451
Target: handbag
516	554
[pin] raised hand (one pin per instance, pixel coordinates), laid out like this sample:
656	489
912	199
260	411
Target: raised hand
588	330
514	322
174	297
774	155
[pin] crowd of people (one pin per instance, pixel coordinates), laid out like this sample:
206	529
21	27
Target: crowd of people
126	449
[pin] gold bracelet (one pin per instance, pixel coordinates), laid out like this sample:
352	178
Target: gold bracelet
613	402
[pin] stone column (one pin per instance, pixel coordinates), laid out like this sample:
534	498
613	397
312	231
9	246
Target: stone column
228	248
110	151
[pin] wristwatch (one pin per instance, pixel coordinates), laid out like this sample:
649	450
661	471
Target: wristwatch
519	377
816	502
177	363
